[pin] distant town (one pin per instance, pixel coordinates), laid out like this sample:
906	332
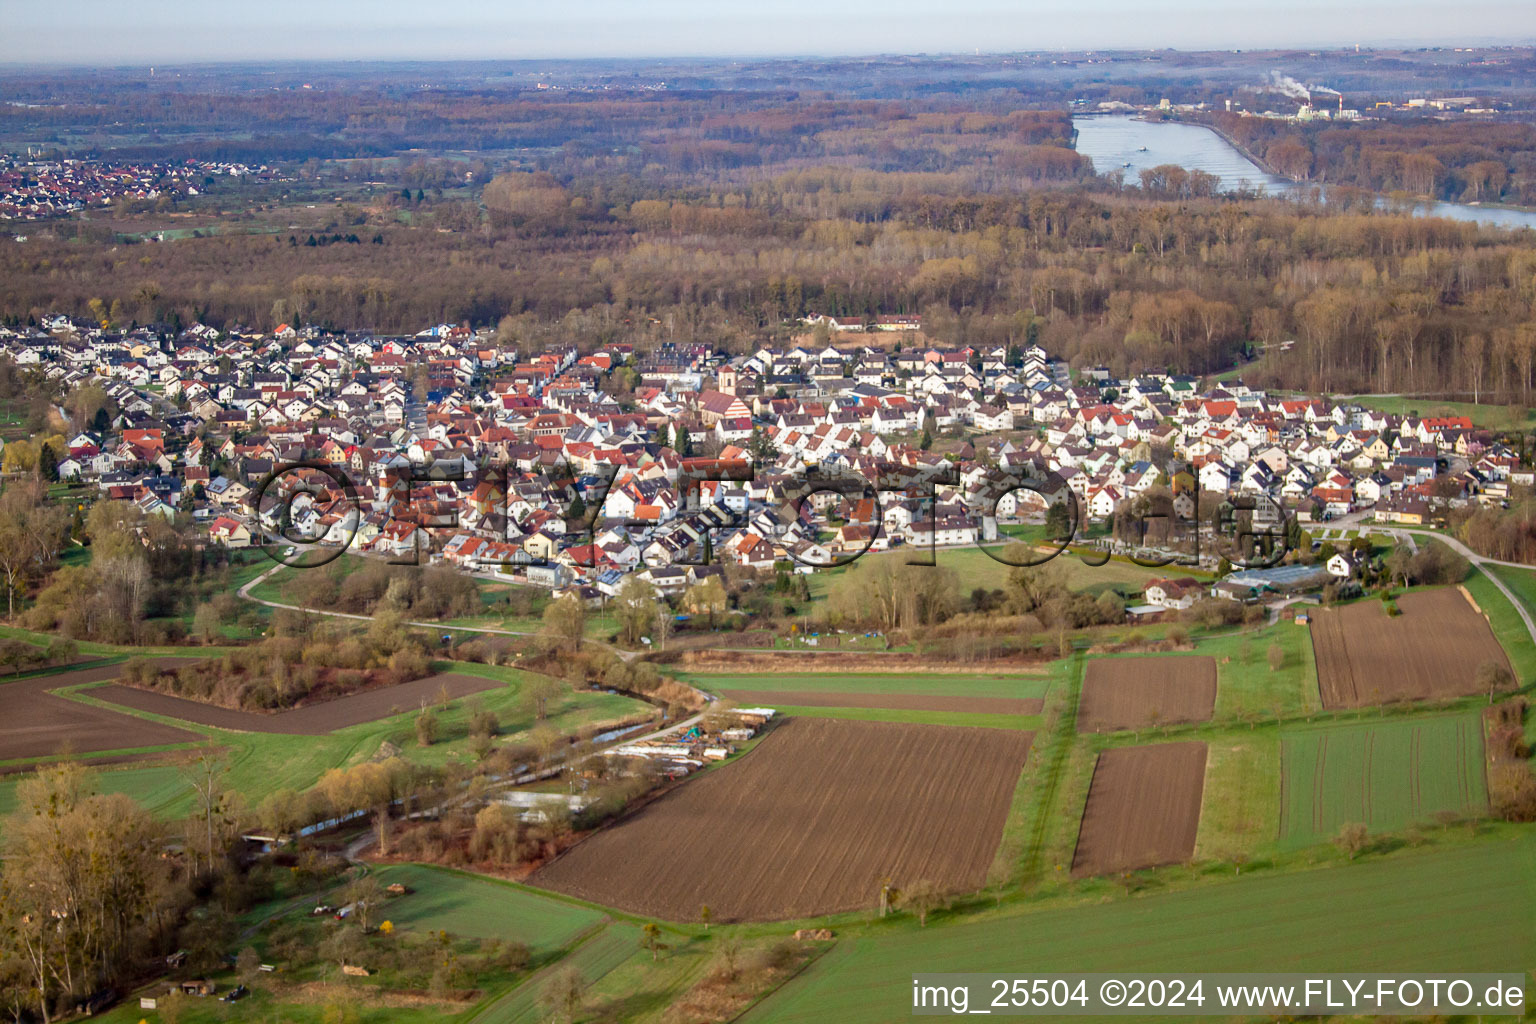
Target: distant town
34	188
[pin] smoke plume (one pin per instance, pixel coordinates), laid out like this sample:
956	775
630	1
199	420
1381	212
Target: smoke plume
1296	91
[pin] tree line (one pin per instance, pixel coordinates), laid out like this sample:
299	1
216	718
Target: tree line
1374	301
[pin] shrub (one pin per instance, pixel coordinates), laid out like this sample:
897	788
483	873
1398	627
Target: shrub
1512	791
484	723
496	835
426	728
1351	839
1492	677
408	663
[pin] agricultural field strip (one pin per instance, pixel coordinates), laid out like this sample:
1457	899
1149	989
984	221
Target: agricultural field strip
1384	775
1240	807
1135	693
40	724
891	701
1431	651
1143	808
310	720
1048	767
1031	686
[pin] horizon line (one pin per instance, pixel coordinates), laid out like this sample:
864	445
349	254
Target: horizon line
1527	43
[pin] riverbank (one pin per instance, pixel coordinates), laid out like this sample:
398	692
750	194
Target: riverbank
1385	197
1140	143
1251	157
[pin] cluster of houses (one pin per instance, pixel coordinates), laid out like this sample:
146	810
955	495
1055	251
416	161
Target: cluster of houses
34	189
455	447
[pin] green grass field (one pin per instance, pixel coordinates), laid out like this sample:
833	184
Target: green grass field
1384	775
1247	687
975	568
1460	908
980	684
985	720
1507	624
595	959
483	908
1494	417
154	786
1521	581
1240	807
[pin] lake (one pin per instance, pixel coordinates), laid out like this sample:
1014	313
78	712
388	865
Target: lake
1116	140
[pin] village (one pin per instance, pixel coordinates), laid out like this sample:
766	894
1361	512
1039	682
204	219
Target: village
39	189
456	447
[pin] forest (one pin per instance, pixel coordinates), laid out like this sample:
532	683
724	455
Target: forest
1465	161
1373	301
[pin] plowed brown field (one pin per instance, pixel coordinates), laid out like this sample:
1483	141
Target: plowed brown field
310	720
1432	650
893	701
1143	808
1134	693
36	724
812	821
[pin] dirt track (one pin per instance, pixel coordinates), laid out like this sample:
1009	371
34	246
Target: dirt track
1135	693
1431	651
1143	808
312	720
893	701
811	822
36	724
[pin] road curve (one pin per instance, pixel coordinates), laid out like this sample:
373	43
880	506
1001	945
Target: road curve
1480	561
245	592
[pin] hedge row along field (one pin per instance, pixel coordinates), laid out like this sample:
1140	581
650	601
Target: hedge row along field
813	821
1433	650
1383	776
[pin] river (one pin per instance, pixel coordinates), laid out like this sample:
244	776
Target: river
1114	141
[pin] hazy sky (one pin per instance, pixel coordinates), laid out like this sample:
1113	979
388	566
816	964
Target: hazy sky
138	31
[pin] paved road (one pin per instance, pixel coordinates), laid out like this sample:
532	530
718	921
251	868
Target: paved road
245	592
